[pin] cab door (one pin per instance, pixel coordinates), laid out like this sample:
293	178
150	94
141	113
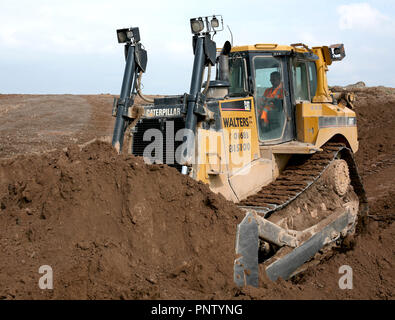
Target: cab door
274	110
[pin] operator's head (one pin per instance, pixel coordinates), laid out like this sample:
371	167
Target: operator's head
275	79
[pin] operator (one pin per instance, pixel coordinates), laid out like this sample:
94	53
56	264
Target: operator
275	92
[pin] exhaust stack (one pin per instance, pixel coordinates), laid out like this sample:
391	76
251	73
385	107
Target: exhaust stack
219	88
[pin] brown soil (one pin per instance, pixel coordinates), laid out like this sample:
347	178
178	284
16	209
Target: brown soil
113	227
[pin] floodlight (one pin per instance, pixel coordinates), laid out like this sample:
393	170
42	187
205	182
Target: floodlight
214	22
128	35
197	25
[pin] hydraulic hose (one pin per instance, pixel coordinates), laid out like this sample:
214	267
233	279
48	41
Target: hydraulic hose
208	80
138	89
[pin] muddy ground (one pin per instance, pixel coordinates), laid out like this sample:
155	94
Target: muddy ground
112	227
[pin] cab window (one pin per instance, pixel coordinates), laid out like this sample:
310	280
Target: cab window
300	81
312	78
269	97
237	76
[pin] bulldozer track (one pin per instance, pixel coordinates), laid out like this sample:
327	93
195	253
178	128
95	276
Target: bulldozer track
299	176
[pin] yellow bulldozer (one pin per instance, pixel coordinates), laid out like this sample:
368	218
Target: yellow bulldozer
266	133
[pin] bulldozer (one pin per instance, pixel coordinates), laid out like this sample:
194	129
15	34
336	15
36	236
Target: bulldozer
266	133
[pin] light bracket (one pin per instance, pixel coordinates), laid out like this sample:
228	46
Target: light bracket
337	51
207	25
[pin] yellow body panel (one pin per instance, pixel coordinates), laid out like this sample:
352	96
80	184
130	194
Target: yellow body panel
239	129
322	94
235	146
308	117
350	133
211	165
210	154
229	160
267	47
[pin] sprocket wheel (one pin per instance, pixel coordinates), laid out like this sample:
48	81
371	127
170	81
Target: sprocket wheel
340	177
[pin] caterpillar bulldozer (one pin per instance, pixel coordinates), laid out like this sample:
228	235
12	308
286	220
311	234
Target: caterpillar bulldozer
266	133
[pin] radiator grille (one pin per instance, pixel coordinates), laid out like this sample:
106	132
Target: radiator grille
139	144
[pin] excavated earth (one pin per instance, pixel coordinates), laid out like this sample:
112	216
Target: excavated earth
113	227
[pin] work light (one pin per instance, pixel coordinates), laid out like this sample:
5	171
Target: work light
214	22
128	35
197	25
337	51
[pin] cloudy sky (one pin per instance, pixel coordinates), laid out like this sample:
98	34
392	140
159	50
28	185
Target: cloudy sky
70	46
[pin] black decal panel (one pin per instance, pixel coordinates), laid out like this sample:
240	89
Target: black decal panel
240	105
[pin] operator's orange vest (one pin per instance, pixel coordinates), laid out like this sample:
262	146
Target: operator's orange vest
271	93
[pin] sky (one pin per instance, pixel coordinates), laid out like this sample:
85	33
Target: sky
70	46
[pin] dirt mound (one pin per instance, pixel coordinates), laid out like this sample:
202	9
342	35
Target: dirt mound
111	227
375	109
